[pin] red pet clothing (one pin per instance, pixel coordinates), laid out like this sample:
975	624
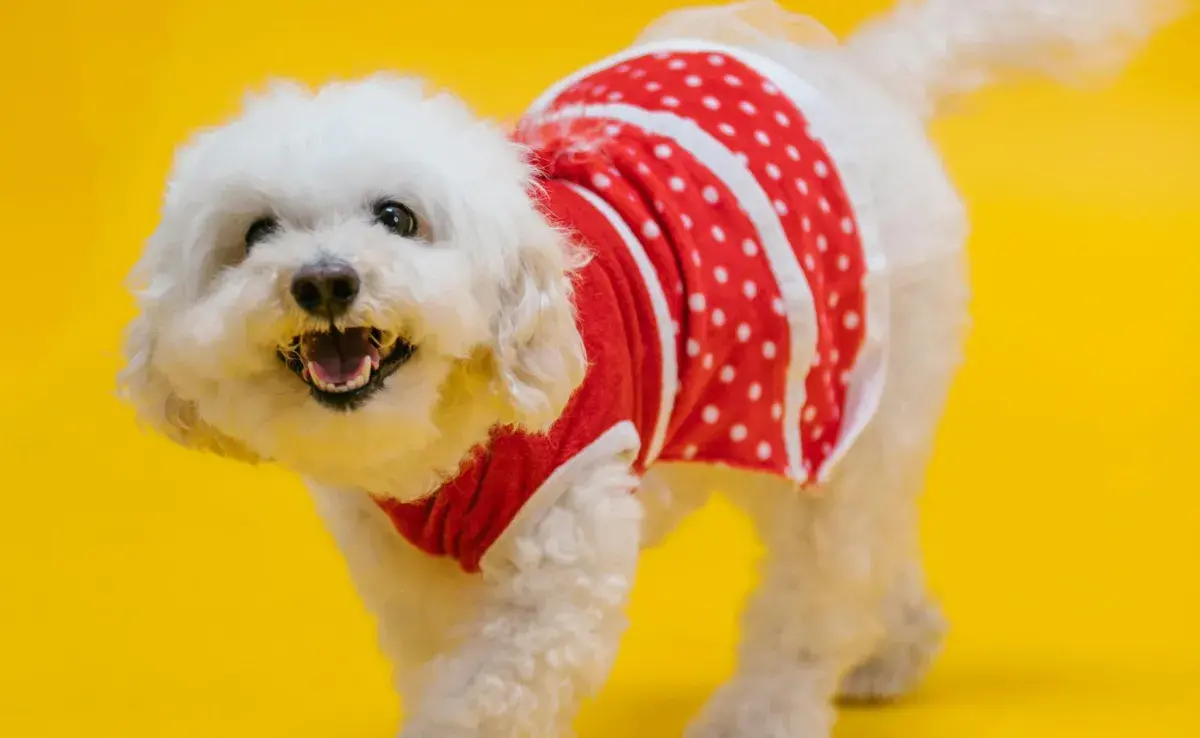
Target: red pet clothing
725	309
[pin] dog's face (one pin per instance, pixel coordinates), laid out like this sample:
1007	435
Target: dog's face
354	283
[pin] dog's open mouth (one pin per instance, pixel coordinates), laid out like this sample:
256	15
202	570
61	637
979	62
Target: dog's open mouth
345	367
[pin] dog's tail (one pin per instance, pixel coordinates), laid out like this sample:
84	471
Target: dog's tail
929	52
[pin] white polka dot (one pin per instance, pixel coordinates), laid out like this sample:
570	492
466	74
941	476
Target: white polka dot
638	73
816	360
696	257
707	363
776	411
773	171
817	432
793	152
718	234
622	68
686	220
727	129
653	87
689	451
749	289
716	60
747	107
693	348
710	414
843	262
743	332
727	374
660	55
738	432
777	306
601	181
768	349
810	413
826	448
662	151
612	129
742	158
847	225
782	119
755	391
822	243
762	138
749	248
650	229
598	90
718	317
733	81
721	274
676	184
832	301
824	205
763	451
692	80
850	320
670	102
615	97
710	194
697	302
821	169
834	355
643	168
780	207
809	262
676	64
711	102
675	323
802	186
806	224
660	207
769	88
844	378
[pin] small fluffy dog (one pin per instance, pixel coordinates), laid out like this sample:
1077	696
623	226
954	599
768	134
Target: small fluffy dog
505	361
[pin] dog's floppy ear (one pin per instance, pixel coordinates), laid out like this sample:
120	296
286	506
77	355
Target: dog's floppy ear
147	389
538	351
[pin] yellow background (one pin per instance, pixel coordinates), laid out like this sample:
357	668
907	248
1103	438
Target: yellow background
145	591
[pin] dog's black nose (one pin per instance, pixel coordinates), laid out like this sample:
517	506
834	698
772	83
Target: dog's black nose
326	288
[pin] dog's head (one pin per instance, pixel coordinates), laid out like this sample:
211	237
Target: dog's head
353	282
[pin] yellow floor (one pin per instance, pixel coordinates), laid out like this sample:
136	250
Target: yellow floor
145	591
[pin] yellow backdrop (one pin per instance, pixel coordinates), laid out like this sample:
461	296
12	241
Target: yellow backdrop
145	591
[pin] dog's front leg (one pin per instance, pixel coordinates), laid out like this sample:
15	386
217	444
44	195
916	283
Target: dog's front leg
549	621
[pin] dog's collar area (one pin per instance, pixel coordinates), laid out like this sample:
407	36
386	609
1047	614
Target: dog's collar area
343	368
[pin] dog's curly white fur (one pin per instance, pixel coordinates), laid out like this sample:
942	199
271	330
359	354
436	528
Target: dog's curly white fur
512	652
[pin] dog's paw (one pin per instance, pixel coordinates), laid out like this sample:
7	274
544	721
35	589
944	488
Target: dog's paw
437	731
770	707
901	661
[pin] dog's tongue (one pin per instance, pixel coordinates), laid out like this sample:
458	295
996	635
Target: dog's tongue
338	357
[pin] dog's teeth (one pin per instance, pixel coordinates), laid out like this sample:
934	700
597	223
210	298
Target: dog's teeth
359	380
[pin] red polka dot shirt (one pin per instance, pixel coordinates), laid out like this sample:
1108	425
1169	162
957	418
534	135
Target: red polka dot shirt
724	309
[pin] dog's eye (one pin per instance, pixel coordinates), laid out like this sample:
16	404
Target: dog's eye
396	218
260	230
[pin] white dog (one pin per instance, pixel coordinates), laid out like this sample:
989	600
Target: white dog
727	258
